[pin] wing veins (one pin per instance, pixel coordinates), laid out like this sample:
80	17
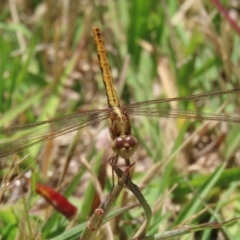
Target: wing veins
187	98
32	138
185	114
54	120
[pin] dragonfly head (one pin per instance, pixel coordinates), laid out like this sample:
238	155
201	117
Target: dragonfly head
125	145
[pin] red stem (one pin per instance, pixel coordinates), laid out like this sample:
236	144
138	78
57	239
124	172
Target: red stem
225	13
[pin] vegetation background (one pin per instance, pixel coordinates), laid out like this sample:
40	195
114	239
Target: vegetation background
188	171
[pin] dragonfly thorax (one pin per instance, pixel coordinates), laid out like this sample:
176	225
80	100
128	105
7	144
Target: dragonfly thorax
125	145
119	123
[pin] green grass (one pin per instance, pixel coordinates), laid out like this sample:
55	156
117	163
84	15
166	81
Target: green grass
49	68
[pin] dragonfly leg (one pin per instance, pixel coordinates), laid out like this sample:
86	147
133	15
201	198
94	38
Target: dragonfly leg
113	161
129	165
127	161
115	168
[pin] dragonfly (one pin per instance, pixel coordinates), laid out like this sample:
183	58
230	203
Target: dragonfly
124	144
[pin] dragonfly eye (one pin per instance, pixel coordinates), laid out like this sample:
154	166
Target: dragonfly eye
125	146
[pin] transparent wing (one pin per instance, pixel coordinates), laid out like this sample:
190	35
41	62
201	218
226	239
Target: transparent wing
153	108
20	137
177	113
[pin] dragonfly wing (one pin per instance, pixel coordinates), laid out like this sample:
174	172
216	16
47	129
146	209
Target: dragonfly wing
155	108
184	114
158	102
23	136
